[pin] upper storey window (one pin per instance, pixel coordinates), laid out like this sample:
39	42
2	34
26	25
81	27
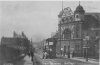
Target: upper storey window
77	17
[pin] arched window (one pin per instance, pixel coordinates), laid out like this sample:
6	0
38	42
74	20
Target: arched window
67	33
77	18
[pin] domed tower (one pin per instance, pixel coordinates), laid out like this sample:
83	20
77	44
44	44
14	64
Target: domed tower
79	13
78	18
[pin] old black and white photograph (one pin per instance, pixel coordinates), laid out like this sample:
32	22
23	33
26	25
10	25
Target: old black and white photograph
52	32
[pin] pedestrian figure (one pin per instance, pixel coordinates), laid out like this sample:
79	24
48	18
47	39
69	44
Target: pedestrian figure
73	54
64	51
68	51
45	55
29	54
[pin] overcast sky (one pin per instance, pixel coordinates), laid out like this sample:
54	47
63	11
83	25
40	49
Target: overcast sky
38	19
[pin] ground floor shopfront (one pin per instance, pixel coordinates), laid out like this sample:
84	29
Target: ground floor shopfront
72	46
77	49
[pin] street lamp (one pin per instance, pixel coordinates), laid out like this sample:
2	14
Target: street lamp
86	46
69	44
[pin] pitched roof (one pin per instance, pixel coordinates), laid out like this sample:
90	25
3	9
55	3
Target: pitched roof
95	14
92	20
8	40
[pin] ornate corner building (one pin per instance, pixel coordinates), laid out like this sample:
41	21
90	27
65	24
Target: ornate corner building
74	27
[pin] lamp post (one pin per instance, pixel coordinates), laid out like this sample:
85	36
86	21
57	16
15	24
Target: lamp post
86	46
69	50
69	44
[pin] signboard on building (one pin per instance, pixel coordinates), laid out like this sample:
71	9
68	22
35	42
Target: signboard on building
50	43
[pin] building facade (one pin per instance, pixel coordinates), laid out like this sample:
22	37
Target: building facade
74	27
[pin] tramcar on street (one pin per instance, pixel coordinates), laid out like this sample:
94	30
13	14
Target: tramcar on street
49	48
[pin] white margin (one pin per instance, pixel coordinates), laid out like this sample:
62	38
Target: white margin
49	0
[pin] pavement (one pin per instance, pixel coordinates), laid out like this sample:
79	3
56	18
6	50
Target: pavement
27	61
84	60
90	60
65	62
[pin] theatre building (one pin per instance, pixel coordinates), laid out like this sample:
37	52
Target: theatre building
75	31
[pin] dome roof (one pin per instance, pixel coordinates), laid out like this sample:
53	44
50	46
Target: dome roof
79	9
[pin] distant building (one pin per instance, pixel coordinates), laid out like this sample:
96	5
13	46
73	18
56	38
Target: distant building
74	27
15	35
12	48
19	42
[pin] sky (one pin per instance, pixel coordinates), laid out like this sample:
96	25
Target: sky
38	19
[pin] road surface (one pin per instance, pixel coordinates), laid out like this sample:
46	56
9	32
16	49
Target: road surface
39	61
27	61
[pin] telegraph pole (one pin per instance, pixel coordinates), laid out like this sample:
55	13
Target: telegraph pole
60	29
62	5
60	37
69	45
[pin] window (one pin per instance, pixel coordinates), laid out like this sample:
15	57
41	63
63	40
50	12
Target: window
96	33
77	47
77	18
67	34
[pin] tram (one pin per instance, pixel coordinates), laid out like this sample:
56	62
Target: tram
50	48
